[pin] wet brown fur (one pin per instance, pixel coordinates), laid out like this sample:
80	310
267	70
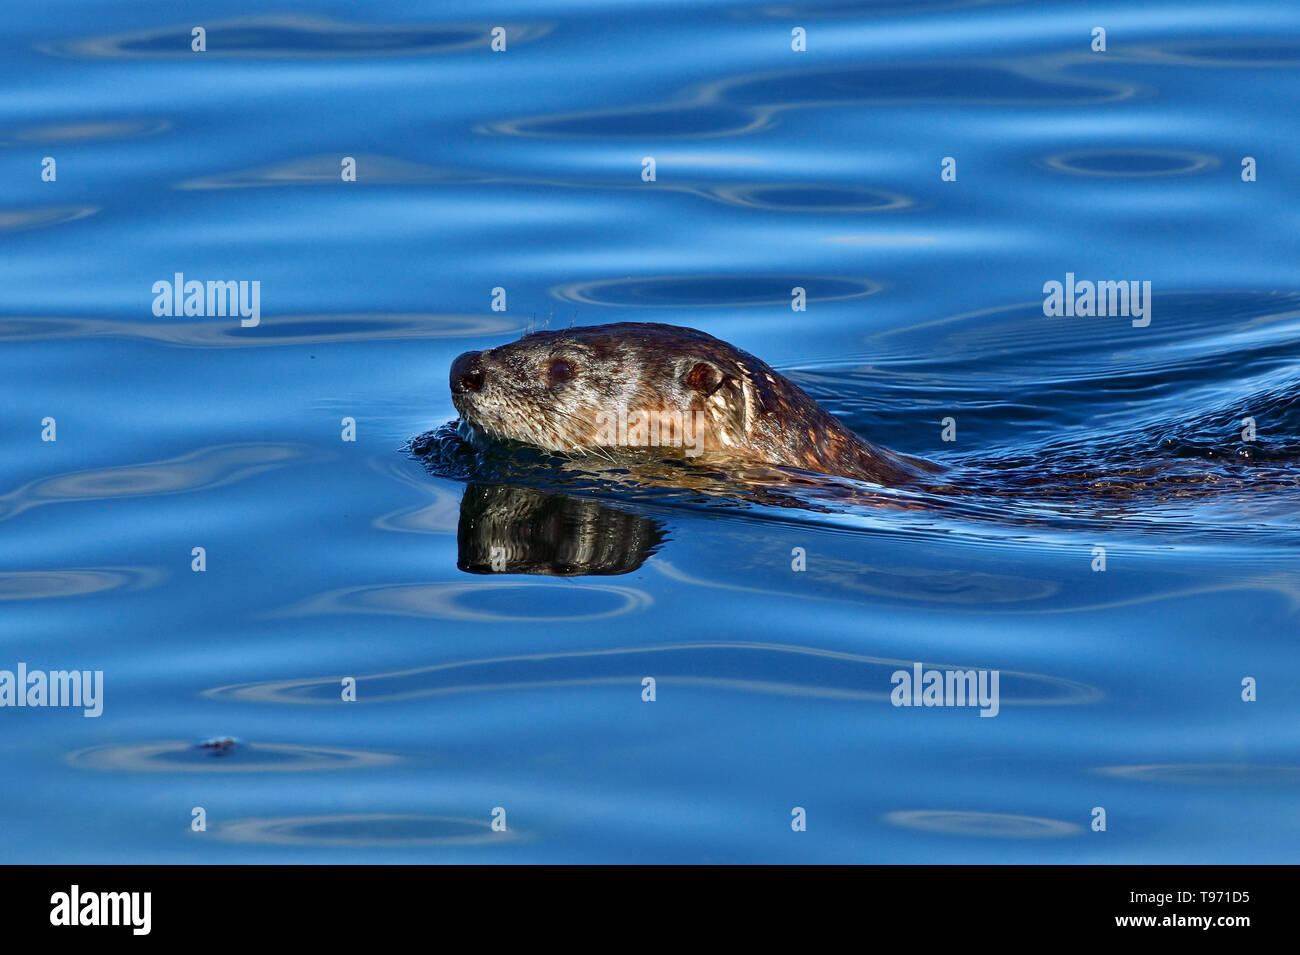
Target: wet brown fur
751	412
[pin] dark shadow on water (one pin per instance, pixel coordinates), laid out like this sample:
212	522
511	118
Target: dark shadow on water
514	530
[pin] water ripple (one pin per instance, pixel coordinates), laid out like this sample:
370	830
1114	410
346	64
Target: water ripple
747	667
1250	54
786	197
991	825
372	169
958	83
273	330
1130	163
1208	774
180	756
17	220
857	8
689	121
741	105
711	291
198	470
296	36
364	831
42	584
440	601
85	131
441	515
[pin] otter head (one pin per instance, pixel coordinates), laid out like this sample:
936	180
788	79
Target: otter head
628	384
545	389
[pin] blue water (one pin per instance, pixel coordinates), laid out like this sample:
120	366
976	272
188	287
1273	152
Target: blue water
325	558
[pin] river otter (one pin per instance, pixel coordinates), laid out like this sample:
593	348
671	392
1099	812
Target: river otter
637	384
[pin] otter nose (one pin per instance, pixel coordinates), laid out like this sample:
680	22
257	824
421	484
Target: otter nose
466	375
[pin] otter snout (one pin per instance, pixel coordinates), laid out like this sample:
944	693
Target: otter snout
467	373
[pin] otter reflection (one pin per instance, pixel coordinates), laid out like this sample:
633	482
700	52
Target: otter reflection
516	530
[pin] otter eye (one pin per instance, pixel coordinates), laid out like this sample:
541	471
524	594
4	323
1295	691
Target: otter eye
560	369
704	378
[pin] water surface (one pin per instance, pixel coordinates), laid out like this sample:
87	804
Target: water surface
520	686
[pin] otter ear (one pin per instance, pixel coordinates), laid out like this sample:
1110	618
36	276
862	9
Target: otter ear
704	378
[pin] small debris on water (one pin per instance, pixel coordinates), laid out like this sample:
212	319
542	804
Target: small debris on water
218	745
